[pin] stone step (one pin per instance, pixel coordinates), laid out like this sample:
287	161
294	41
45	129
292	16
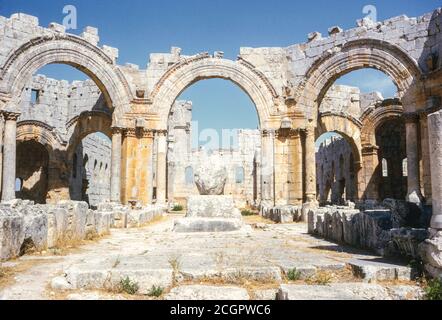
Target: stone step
380	271
348	291
202	292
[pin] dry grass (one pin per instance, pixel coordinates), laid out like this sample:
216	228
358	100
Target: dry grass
256	219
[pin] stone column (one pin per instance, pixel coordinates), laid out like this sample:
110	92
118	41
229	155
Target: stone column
368	186
310	165
9	156
435	138
295	194
161	166
267	166
115	180
414	191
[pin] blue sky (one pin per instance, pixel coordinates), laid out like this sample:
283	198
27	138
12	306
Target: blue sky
140	27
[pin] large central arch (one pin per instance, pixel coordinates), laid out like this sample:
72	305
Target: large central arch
71	50
359	54
186	73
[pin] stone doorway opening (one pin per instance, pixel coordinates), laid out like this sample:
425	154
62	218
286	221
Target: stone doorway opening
32	171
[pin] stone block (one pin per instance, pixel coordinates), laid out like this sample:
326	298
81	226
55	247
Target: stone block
35	227
77	219
212	207
57	225
378	271
201	292
12	233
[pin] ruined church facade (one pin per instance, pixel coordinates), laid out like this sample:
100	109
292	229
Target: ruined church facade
287	85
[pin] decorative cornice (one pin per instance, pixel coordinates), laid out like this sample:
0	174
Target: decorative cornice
117	130
268	132
138	133
289	133
161	133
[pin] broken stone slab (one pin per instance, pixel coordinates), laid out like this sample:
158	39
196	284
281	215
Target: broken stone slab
107	274
60	284
346	291
379	271
209	225
201	292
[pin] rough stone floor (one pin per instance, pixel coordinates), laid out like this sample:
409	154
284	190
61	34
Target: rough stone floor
255	264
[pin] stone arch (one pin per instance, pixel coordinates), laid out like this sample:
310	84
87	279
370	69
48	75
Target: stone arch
85	124
348	127
201	67
71	50
374	117
41	133
359	54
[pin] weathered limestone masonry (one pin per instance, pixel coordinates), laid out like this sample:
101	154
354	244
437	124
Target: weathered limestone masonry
335	174
51	104
240	161
287	85
26	226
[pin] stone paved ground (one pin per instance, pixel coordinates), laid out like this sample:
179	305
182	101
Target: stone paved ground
239	265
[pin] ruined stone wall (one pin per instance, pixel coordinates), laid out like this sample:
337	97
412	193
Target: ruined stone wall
239	162
55	102
91	180
335	171
418	36
348	101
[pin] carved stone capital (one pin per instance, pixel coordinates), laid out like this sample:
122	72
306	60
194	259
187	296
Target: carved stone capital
117	130
268	133
11	116
161	133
